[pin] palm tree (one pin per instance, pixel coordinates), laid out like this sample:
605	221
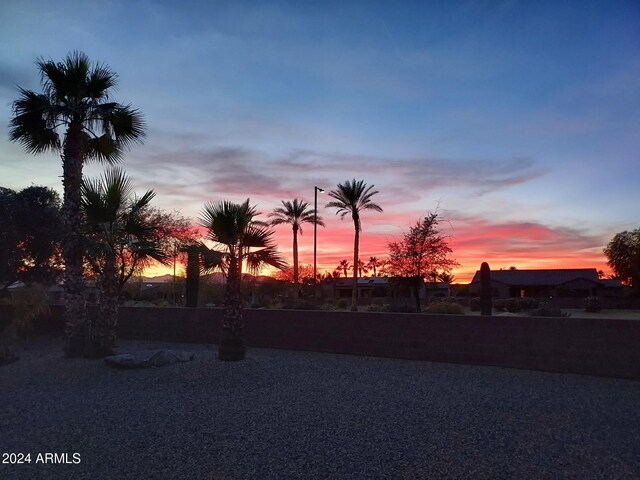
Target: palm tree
362	268
344	266
373	264
238	238
121	237
74	116
295	214
353	197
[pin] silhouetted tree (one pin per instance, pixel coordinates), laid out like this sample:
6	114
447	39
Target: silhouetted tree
623	254
421	252
238	238
294	213
75	116
119	239
351	198
373	264
29	236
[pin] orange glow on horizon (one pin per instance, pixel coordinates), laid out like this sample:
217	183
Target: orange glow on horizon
525	246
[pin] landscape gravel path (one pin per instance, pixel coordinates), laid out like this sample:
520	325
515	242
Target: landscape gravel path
301	415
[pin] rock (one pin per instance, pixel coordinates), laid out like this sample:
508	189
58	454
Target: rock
148	359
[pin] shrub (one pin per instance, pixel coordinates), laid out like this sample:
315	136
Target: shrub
499	304
445	308
474	304
548	310
343	304
327	307
516	305
29	303
592	304
378	307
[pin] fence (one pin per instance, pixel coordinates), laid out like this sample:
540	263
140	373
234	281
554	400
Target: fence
603	347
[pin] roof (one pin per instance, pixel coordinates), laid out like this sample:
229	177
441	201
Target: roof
541	277
362	282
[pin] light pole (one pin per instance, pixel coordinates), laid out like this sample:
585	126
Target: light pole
316	189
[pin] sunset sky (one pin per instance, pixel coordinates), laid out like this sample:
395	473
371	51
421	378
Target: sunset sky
519	120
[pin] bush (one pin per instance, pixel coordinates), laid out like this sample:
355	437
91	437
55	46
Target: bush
516	305
445	308
327	307
592	304
474	304
548	310
499	304
343	304
379	307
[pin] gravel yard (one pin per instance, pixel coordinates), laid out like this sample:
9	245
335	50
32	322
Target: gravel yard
287	415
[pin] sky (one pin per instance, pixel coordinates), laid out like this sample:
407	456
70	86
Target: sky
519	121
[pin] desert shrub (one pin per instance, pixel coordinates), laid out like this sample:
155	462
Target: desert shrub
474	304
343	304
29	303
516	305
592	304
445	308
379	307
547	310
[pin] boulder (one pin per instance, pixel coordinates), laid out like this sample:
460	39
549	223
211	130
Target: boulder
148	359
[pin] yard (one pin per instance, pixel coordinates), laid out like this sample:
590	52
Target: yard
283	414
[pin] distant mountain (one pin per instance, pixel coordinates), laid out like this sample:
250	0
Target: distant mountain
216	277
166	278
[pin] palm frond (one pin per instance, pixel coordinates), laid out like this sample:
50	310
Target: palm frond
33	124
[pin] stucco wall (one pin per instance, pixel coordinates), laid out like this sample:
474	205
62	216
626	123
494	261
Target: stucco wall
589	346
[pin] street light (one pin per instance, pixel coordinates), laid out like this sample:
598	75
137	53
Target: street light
316	189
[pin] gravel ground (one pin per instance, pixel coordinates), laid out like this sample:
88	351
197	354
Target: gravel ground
288	415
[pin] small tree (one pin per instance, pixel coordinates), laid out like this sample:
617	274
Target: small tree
623	253
239	239
421	252
119	238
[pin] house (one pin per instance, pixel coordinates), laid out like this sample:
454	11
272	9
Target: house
576	282
370	288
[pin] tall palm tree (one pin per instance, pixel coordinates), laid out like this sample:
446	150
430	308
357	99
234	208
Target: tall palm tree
295	214
353	197
121	237
74	116
374	263
238	238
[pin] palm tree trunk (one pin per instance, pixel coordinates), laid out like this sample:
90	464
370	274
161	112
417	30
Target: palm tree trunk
75	314
193	277
295	260
232	345
103	333
354	294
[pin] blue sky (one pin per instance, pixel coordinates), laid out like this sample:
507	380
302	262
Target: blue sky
519	119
